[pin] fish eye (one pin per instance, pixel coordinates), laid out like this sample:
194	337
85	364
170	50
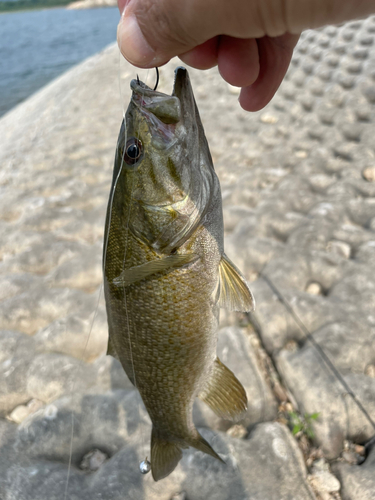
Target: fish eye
133	151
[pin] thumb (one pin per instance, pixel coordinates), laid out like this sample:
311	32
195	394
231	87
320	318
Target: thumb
151	32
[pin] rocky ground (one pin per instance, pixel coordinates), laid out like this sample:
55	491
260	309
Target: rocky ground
298	183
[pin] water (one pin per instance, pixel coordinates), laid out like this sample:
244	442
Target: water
37	46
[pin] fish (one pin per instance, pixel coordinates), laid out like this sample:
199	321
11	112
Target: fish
165	271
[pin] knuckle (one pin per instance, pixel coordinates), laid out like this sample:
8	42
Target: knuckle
166	23
161	24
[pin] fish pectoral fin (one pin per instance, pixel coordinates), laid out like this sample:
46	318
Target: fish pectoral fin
233	292
111	350
165	456
139	273
224	393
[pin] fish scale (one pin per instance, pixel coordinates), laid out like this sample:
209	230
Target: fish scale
165	271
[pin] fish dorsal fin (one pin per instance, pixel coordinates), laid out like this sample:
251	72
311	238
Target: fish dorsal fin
233	292
111	350
224	393
138	273
165	456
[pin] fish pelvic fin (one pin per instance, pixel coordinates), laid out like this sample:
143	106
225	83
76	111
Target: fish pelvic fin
232	291
111	350
165	456
224	393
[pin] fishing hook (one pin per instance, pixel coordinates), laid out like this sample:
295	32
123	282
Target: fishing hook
157	78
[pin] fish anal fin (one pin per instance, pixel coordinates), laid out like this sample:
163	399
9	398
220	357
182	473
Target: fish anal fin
165	456
224	393
111	350
233	292
148	269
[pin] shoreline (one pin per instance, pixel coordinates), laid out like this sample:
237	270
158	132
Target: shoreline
30	66
83	4
30	10
55	85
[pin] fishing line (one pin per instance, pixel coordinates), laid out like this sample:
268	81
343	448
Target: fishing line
144	466
317	347
125	298
104	261
80	368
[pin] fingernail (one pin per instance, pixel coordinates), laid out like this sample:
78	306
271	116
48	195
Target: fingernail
132	43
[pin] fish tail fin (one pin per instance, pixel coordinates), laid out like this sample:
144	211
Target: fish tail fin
165	456
198	442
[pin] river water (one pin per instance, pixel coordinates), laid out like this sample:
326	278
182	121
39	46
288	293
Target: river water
37	46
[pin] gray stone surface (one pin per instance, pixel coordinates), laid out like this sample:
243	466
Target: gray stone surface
298	189
357	481
115	427
83	336
313	225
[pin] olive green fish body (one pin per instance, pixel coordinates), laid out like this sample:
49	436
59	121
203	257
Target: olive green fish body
171	319
166	274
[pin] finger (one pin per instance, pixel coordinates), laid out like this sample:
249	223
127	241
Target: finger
203	56
274	58
300	15
238	60
151	32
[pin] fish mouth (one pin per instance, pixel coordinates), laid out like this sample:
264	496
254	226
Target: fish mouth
181	78
167	108
140	88
168	116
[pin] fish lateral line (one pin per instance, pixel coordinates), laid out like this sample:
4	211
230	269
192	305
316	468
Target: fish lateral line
148	269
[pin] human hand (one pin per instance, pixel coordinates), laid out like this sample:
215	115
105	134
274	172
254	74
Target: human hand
251	41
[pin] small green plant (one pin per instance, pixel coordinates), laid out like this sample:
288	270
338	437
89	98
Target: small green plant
303	423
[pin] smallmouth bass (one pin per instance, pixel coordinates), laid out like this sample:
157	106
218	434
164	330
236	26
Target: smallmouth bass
165	271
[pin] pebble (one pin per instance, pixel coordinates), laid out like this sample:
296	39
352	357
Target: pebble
93	460
237	431
361	450
314	288
350	457
21	412
325	481
267	118
179	496
322	479
369	174
370	371
339	248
